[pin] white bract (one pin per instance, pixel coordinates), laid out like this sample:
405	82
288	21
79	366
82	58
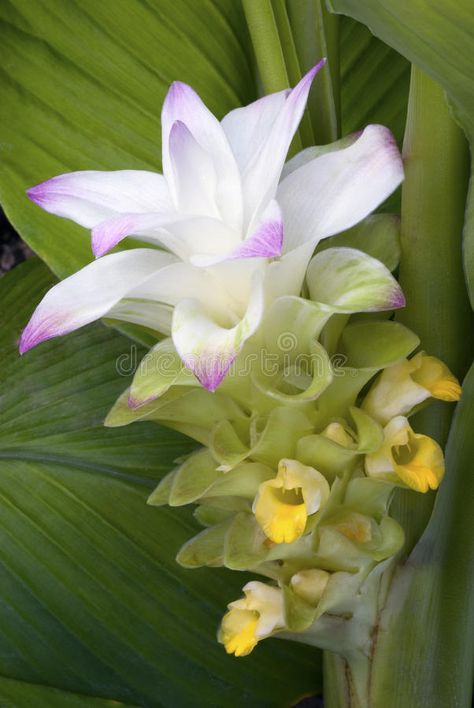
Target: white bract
228	234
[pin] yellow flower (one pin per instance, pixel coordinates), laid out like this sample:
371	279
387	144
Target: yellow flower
283	504
414	460
252	618
405	385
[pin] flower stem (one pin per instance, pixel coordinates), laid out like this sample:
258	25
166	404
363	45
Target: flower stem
288	39
316	35
267	45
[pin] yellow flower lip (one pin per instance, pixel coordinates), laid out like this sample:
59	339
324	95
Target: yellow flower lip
283	520
424	469
416	461
283	504
238	631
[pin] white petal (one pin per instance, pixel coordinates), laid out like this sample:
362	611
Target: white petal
265	242
183	104
90	197
182	236
338	189
263	171
194	173
248	128
311	153
178	281
90	293
207	348
154	315
285	276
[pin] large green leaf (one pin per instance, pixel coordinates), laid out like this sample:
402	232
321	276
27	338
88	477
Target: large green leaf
82	87
91	599
437	36
374	81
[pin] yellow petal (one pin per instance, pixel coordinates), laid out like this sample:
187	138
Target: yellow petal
446	390
281	513
435	376
425	469
238	631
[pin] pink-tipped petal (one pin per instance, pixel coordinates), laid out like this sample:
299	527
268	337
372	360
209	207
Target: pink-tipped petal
210	370
194	173
91	197
184	105
262	174
265	242
110	232
247	128
339	188
205	347
398	299
91	293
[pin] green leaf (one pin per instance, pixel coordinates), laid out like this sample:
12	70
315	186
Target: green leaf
83	86
92	600
374	81
20	694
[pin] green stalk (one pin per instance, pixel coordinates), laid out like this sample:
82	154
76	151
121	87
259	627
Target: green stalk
266	44
292	64
268	50
288	39
431	274
316	35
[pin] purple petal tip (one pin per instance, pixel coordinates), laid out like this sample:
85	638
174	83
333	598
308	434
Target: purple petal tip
134	403
398	299
29	339
210	372
36	194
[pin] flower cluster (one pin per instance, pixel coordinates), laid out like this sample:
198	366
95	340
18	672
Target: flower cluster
279	356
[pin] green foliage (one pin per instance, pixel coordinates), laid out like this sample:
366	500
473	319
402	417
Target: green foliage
93	602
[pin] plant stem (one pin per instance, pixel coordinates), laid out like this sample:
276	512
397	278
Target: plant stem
431	274
268	50
292	64
266	43
288	39
316	35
